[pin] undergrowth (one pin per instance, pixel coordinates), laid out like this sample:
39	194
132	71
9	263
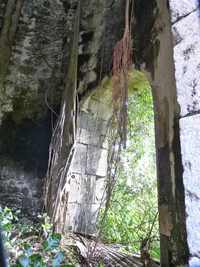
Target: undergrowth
30	244
132	218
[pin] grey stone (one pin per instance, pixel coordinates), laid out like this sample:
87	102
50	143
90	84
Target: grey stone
96	161
79	159
180	9
75	188
187	64
20	189
190	145
85	136
100	193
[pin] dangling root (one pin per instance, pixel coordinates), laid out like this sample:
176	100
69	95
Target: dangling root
122	61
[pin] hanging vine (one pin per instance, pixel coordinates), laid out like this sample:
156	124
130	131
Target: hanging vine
63	140
122	62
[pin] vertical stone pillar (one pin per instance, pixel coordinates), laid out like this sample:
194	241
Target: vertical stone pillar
186	32
88	169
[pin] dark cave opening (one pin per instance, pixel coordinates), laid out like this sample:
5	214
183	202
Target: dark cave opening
24	159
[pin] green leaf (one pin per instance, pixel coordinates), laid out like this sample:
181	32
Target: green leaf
52	242
23	261
28	249
37	261
58	259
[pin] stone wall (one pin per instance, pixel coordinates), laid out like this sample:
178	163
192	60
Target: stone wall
186	32
35	45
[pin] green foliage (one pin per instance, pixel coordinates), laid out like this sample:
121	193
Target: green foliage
32	245
132	217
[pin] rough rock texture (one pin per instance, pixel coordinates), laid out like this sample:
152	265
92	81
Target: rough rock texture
35	60
181	9
34	57
190	150
31	76
187	62
186	30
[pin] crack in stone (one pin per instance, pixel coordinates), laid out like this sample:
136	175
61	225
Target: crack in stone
192	195
190	114
184	16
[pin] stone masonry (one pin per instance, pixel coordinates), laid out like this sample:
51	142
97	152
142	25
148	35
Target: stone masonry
186	32
88	169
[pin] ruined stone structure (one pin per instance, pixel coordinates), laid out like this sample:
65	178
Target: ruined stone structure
36	43
87	181
186	32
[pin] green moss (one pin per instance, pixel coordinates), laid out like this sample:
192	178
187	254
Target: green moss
136	81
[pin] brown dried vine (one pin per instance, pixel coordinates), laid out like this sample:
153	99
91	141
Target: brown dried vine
63	140
122	62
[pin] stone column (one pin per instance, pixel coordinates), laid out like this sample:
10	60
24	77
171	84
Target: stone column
88	169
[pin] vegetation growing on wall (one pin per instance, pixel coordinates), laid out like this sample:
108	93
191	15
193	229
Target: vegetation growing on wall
132	217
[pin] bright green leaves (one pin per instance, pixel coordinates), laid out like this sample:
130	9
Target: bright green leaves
34	260
52	242
32	245
134	201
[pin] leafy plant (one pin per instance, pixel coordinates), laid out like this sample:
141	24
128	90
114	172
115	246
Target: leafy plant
32	245
132	217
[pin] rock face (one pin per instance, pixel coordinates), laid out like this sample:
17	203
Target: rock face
23	163
36	40
31	76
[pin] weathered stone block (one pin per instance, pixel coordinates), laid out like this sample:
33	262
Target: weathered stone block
79	159
100	109
82	189
182	8
190	145
82	218
97	161
104	141
75	188
85	218
187	63
88	189
88	137
100	193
